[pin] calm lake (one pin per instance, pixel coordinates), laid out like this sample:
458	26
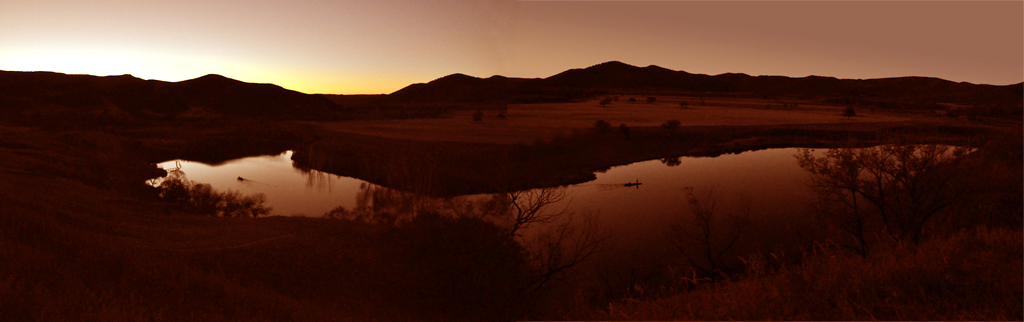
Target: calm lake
769	181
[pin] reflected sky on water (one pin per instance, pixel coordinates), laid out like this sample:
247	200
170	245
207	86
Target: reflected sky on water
770	179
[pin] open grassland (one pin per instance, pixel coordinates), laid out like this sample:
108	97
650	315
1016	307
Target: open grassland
527	123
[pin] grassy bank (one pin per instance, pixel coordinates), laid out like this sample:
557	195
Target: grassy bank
972	275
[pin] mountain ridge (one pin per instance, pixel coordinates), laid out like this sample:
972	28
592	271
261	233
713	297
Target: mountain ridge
51	93
212	95
615	77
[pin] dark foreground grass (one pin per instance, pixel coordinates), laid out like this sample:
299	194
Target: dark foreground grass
60	266
972	275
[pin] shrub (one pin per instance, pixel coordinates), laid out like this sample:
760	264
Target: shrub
201	199
671	126
602	127
849	112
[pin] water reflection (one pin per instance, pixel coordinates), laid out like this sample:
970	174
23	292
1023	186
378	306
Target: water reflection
289	190
770	178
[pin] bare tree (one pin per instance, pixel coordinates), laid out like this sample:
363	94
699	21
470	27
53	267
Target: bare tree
565	246
892	190
705	239
527	207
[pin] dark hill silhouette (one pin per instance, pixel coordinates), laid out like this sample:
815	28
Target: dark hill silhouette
617	77
460	88
620	76
229	96
48	93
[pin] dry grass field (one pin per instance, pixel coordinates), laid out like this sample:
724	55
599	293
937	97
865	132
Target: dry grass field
526	123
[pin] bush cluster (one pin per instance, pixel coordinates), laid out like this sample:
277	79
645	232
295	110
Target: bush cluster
202	199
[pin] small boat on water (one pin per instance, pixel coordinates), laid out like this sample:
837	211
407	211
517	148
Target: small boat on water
634	184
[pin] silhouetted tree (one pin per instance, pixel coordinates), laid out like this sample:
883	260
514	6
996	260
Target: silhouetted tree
632	100
565	246
606	101
650	99
893	191
849	112
703	239
602	127
528	207
671	126
674	161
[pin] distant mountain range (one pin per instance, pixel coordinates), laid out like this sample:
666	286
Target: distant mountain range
48	93
620	78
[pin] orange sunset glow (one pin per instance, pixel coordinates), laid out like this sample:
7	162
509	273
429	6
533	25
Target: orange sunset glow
350	47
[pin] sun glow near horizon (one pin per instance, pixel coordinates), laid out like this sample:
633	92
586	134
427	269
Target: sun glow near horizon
176	68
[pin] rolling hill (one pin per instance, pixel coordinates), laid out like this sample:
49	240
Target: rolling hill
619	78
48	94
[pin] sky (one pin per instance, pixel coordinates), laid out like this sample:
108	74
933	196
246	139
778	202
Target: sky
378	47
